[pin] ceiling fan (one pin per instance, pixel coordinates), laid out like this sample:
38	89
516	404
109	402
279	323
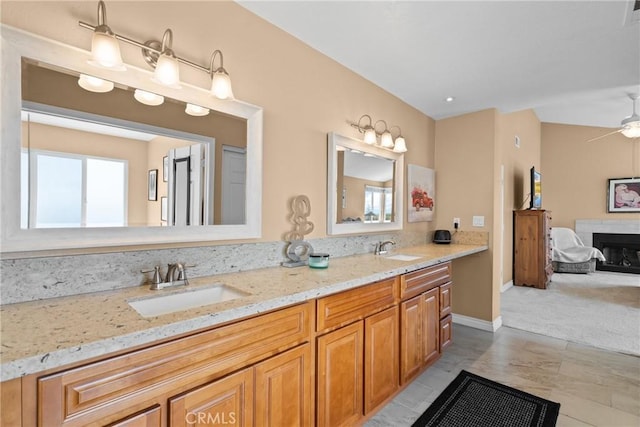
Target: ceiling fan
630	126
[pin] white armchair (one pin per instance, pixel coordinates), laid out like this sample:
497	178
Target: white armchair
570	255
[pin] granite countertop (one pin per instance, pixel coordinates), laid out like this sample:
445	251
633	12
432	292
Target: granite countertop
46	334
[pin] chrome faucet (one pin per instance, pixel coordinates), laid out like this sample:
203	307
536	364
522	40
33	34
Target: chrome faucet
381	247
176	276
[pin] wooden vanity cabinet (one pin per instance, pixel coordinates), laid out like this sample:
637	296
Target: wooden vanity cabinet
425	318
175	376
357	352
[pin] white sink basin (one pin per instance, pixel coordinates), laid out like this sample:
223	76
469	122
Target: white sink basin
402	257
189	298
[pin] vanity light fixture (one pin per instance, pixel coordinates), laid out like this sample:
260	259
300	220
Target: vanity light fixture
167	70
148	98
94	84
386	140
399	145
371	134
196	110
220	81
105	50
160	56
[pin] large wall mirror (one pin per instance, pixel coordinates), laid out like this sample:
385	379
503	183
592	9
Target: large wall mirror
86	169
364	187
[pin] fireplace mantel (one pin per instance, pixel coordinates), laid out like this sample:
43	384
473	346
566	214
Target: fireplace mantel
586	227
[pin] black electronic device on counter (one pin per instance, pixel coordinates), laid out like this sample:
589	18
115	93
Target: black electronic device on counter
442	236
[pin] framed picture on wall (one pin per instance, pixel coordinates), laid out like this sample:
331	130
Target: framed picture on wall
153	185
422	189
623	195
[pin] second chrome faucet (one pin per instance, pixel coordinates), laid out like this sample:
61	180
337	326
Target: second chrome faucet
176	276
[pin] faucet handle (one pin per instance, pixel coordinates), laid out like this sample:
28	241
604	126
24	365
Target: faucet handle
157	277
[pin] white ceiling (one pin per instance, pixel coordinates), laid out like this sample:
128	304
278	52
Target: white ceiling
573	62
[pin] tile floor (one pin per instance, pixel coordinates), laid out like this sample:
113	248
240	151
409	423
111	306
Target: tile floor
594	387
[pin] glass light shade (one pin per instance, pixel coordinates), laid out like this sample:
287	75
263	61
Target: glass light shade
105	51
370	135
196	110
221	85
94	84
400	146
632	130
167	71
386	140
148	98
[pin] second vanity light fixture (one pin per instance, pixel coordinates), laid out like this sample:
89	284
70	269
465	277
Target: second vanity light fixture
371	133
105	52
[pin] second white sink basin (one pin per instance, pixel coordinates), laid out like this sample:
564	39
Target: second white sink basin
402	257
180	301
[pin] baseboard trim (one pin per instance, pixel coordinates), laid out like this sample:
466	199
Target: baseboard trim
472	322
506	286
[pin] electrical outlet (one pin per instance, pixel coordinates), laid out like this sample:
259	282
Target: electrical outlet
456	223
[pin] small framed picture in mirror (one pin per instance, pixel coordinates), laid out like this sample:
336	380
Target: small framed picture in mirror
153	185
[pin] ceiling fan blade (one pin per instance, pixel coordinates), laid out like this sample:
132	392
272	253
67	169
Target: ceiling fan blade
605	135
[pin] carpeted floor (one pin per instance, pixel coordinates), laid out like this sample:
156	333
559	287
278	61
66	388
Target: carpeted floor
600	309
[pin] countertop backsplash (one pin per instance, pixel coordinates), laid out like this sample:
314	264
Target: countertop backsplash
32	279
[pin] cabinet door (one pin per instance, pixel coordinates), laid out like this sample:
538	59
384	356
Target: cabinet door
445	300
340	372
380	357
410	338
446	333
228	401
147	418
283	389
430	326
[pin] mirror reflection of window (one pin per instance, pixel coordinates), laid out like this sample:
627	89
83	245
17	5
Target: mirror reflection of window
378	204
357	171
74	191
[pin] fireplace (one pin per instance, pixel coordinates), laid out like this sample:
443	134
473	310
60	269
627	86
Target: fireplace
621	250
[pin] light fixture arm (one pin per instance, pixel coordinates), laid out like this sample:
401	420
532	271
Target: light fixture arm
102	15
213	58
375	126
167	42
399	130
360	128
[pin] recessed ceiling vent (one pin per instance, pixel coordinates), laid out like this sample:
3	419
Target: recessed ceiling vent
633	13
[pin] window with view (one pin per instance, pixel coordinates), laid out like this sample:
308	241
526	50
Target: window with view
378	204
70	190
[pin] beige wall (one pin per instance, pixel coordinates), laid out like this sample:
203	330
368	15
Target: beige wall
576	172
304	94
464	188
517	162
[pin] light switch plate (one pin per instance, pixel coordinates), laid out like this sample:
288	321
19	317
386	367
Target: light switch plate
478	221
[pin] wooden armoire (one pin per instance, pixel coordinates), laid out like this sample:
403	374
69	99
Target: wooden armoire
532	248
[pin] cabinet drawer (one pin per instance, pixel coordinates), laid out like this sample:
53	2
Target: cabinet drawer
345	307
100	390
417	282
